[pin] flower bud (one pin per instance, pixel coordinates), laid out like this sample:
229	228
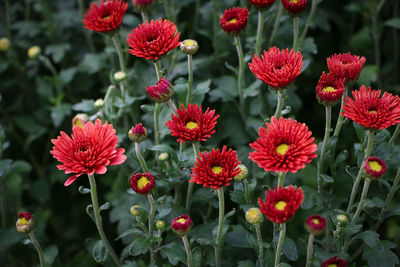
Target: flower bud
120	76
161	92
137	133
243	173
315	224
374	168
181	225
342	218
135	210
142	5
160	225
99	103
80	119
142	183
34	52
253	215
163	156
25	222
189	47
4	44
295	7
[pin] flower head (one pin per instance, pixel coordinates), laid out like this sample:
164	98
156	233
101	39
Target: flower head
142	183
4	44
137	133
346	66
253	215
135	210
191	124
152	40
374	168
315	224
334	262
105	17
161	92
34	52
99	104
372	111
181	225
160	225
295	7
215	168
89	150
120	76
281	203
286	145
234	20
142	5
25	222
262	4
242	174
329	89
342	218
277	68
80	119
189	46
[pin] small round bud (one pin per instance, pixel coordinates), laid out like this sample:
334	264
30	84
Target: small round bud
374	168
162	91
80	119
342	218
315	224
120	76
99	103
163	156
25	222
189	47
137	133
181	225
4	44
142	5
243	173
135	210
34	52
253	215
160	225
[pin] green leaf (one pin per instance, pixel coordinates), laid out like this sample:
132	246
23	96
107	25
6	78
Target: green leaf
99	251
57	51
238	237
105	206
67	75
139	246
252	90
203	195
381	258
368	75
394	22
226	89
352	228
174	252
163	148
86	105
44	88
50	254
59	112
327	178
163	211
289	249
245	264
370	238
92	63
196	256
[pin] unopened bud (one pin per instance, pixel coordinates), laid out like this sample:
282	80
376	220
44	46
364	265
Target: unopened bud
80	120
189	47
137	133
181	225
142	5
253	215
342	218
135	210
161	92
99	103
25	222
34	52
120	76
315	224
163	156
4	44
160	225
243	173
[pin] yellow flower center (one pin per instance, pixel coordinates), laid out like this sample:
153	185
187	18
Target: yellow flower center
142	182
294	1
190	43
315	221
372	111
106	17
375	166
280	205
253	213
233	20
217	169
282	149
181	220
329	89
191	125
332	265
23	221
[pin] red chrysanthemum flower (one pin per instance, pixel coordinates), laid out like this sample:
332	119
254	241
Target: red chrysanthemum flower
262	4
286	145
161	92
315	224
295	6
191	124
25	223
142	5
215	168
277	69
372	111
346	66
281	203
335	261
142	183
374	167
89	150
234	20
181	225
105	17
329	89
153	40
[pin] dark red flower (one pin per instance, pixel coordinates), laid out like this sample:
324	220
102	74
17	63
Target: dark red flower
181	225
137	133
286	145
89	150
153	40
315	224
329	89
346	66
191	124
161	92
142	183
334	262
234	20
277	69
372	111
374	167
215	168
26	214
105	17
281	203
295	6
142	5
262	4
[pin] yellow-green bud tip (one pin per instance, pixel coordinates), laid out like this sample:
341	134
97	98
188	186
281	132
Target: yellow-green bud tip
163	156
135	210
34	52
342	218
120	76
243	173
160	225
99	103
253	215
4	44
189	47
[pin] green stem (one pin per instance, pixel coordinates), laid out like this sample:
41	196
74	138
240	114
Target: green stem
260	27
217	246
308	22
241	70
191	185
279	106
140	158
190	79
188	251
88	37
328	112
280	243
119	51
395	135
310	249
145	18
336	235
295	32
172	106
97	217
260	245
166	9
151	219
53	71
276	24
281	178
360	172
38	248
362	200
246	191
157	66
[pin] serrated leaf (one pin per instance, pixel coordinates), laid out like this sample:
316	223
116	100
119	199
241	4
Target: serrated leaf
86	105
381	258
289	248
370	238
139	246
99	251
